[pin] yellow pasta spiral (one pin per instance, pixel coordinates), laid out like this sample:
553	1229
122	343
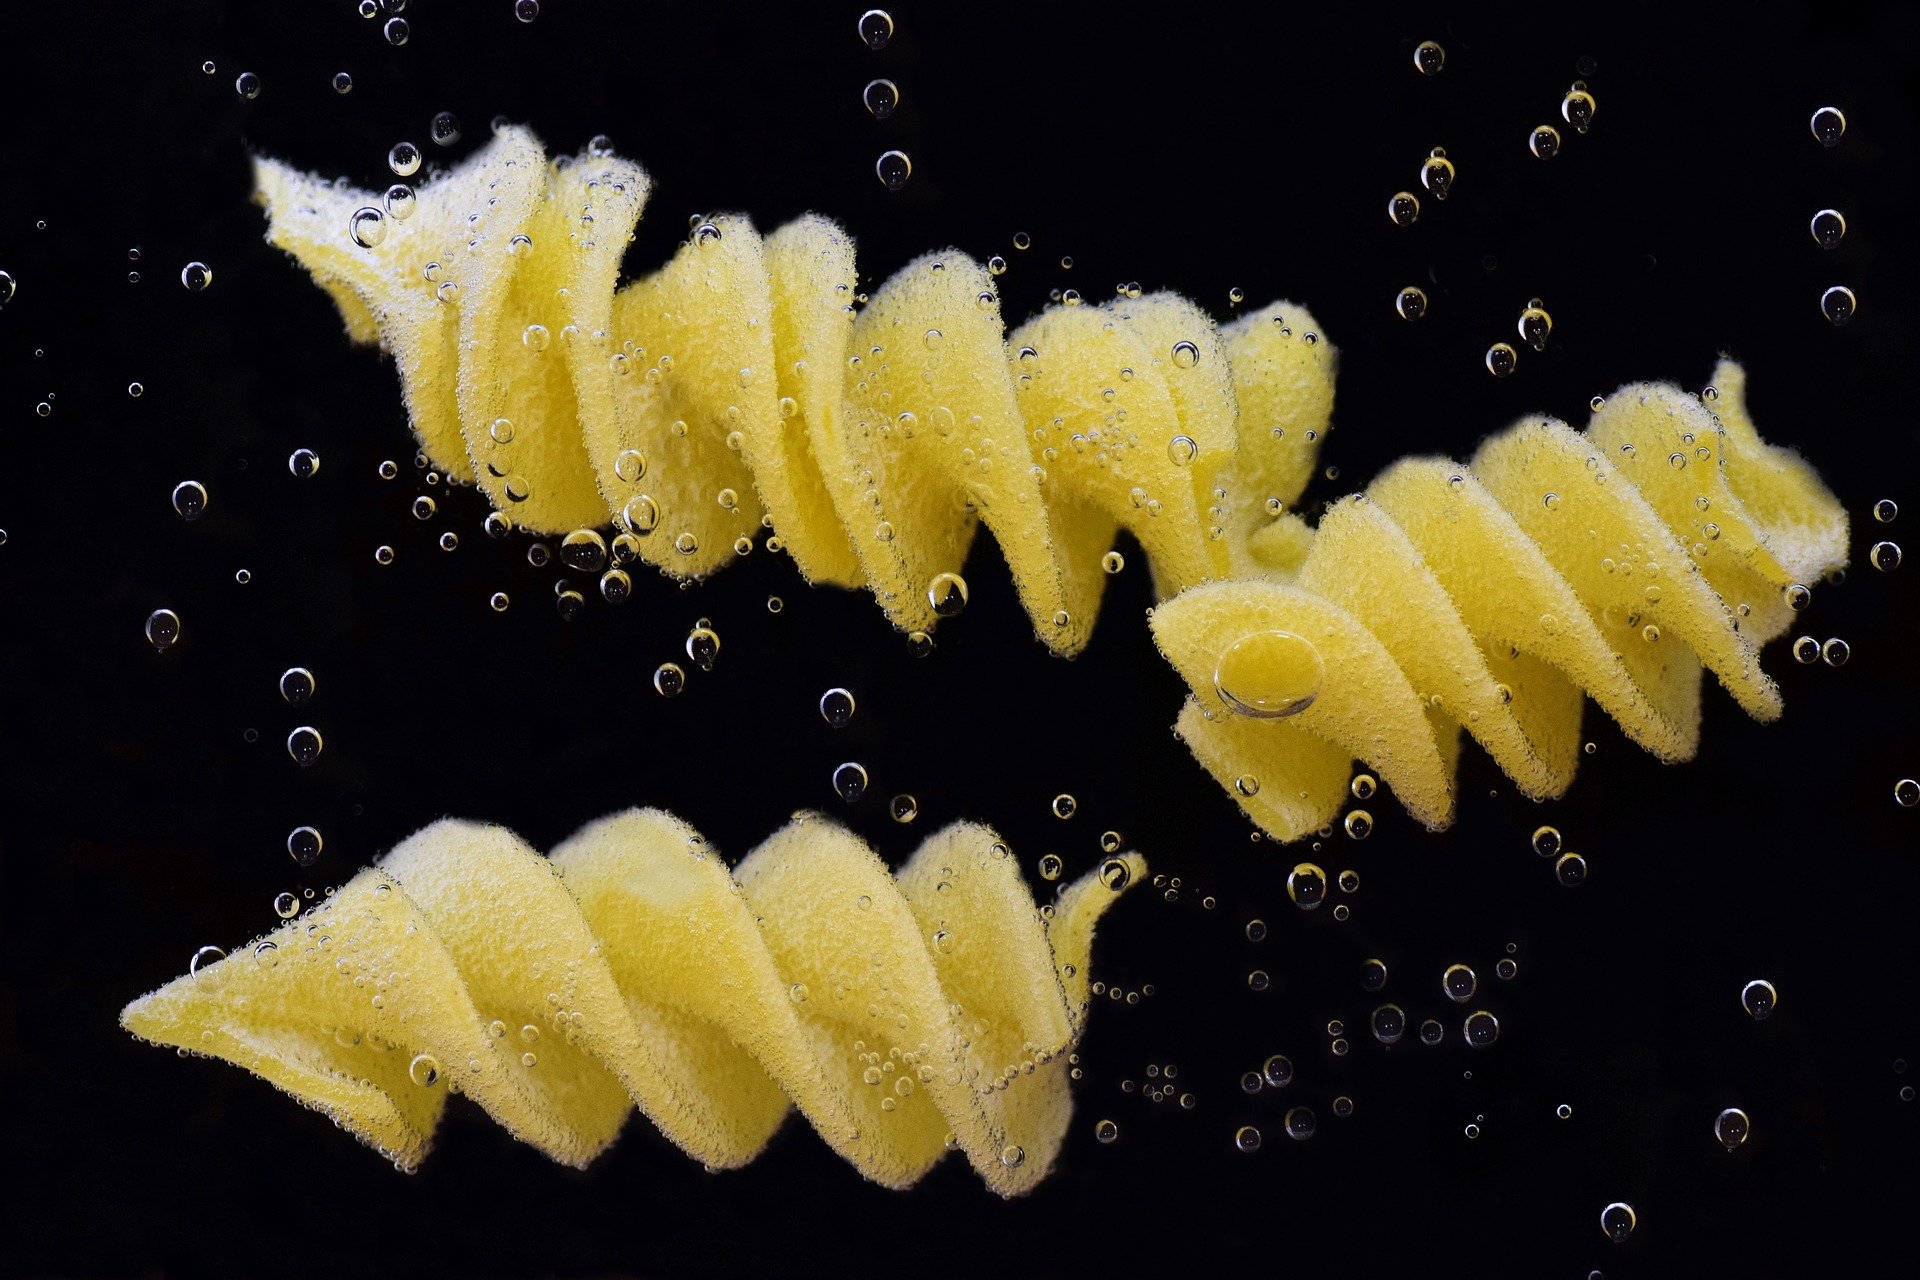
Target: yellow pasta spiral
904	1015
1619	562
742	380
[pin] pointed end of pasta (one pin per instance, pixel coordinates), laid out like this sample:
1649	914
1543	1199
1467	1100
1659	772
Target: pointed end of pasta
187	1015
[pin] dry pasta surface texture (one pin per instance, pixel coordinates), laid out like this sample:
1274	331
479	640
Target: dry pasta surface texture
904	1015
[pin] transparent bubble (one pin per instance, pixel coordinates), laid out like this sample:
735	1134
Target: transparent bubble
1502	360
1886	511
882	98
703	646
445	129
1829	125
1105	1131
1403	208
163	629
1186	354
1459	983
1829	227
304	464
1065	806
1358	824
297	685
1885	556
203	959
404	159
1269	674
247	85
1429	58
1247	1138
1906	793
1578	108
1373	974
1411	302
1570	869
400	202
584	551
850	781
1618	1220
1389	1023
947	593
195	276
190	499
498	602
1115	873
1181	451
903	808
1544	141
1535	325
8	286
342	82
1307	886
1256	930
1051	866
1731	1127
1258	980
836	707
893	168
396	31
304	845
367	226
286	906
1838	304
526	10
1437	175
383	554
1481	1029
1759	998
669	679
1835	652
876	28
424	1070
1300	1123
304	745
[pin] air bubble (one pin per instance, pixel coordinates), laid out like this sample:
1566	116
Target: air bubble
1829	125
1837	305
1429	58
190	499
163	629
850	781
893	168
882	98
1411	302
836	707
876	28
1759	998
1269	674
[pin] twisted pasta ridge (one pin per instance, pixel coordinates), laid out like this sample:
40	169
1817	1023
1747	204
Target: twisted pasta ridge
741	382
904	1015
1620	561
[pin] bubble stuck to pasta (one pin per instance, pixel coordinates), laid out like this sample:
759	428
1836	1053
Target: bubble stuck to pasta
903	1015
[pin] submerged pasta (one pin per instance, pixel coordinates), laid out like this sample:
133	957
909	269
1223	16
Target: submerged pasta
904	1015
741	385
1620	561
741	380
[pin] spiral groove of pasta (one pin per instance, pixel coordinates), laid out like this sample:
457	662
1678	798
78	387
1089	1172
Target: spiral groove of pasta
742	381
903	1015
1620	561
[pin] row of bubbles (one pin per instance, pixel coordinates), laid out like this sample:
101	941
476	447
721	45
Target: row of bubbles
882	99
1829	226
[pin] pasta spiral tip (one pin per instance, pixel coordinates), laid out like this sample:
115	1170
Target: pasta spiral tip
903	1015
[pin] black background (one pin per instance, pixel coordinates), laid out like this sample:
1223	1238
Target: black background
1196	146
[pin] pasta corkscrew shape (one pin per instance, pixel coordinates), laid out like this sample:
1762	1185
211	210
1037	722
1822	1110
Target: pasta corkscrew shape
904	1015
741	384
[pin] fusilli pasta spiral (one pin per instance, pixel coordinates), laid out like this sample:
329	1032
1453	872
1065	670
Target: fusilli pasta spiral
904	1015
